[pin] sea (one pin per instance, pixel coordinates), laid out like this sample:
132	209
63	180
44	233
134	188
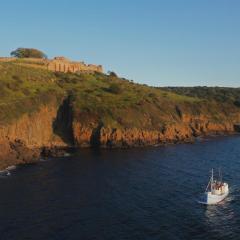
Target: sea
140	193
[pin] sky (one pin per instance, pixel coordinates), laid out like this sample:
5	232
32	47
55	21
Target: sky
155	42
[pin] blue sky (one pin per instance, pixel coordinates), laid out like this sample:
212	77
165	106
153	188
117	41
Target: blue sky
161	43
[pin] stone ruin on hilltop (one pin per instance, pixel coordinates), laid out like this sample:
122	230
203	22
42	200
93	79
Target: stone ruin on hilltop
57	64
62	64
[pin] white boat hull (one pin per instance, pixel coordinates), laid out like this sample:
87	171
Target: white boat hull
209	199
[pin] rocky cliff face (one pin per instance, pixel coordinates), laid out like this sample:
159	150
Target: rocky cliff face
21	141
36	129
125	137
55	127
184	130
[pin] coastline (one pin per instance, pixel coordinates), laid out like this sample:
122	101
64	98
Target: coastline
31	156
102	111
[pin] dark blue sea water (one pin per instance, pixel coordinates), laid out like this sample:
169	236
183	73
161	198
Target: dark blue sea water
147	193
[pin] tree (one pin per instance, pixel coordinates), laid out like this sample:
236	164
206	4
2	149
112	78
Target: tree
115	88
237	102
28	53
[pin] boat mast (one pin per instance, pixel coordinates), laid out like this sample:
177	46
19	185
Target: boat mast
210	183
212	180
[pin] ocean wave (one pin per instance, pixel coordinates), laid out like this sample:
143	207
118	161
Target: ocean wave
4	173
7	171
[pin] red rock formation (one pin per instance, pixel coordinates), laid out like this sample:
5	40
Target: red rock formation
127	137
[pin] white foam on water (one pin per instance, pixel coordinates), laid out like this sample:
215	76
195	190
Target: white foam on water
67	154
10	168
5	173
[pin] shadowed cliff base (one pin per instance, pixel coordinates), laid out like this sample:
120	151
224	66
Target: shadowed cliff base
237	127
62	125
95	139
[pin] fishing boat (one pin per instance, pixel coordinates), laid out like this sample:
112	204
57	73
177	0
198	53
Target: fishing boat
215	192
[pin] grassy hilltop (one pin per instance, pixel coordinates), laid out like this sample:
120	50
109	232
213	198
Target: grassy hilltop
23	89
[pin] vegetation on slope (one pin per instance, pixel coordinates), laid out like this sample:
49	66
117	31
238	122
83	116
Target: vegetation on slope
24	89
221	94
112	100
118	102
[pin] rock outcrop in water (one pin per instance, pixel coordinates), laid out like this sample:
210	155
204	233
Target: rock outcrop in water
16	152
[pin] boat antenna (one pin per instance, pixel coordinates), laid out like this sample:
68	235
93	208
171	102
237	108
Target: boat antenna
212	180
208	185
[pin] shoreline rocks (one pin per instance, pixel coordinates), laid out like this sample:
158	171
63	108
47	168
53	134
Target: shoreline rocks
17	153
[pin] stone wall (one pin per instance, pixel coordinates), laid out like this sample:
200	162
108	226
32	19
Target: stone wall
58	64
61	64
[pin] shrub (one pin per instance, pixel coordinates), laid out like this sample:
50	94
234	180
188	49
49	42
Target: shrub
12	86
152	95
114	88
237	103
26	92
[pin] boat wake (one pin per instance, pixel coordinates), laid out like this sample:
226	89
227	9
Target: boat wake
5	173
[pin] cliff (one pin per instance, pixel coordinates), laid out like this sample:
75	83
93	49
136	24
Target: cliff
184	129
21	141
41	111
56	126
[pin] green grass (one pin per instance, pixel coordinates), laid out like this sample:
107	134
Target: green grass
24	89
220	94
